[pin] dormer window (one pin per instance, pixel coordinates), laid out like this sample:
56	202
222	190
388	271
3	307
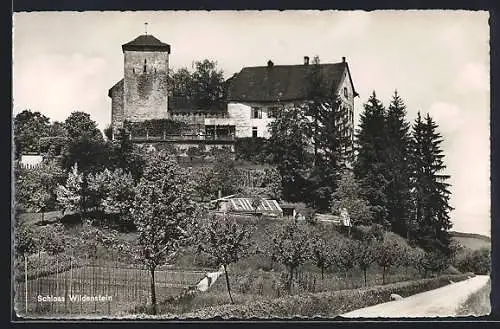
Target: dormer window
144	68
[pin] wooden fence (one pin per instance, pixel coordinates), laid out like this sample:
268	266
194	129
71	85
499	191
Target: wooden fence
97	288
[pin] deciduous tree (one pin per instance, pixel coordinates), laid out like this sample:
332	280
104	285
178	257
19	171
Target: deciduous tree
348	195
321	252
85	143
290	246
113	191
344	256
388	253
29	127
70	195
365	255
25	241
225	241
35	188
289	145
163	212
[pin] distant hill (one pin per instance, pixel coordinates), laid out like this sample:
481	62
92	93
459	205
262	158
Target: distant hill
471	240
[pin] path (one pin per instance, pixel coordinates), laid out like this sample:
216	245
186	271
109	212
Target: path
443	301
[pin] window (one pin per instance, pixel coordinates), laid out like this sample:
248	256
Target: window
254	132
345	92
144	68
256	113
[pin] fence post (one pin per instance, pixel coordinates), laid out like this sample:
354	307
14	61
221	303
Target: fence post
135	281
94	284
26	284
71	282
57	282
38	284
65	291
108	288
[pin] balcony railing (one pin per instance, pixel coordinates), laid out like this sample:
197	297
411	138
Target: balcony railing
185	137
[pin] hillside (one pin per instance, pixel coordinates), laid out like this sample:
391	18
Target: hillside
471	240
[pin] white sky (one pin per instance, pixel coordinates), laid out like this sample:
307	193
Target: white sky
437	60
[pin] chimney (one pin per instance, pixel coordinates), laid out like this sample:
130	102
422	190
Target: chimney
270	63
343	59
306	60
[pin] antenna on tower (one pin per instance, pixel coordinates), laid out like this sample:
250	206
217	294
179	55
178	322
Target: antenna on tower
146	28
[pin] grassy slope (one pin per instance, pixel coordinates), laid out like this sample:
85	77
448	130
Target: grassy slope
471	241
478	303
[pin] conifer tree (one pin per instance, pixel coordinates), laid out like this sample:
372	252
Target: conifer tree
430	190
398	166
330	140
370	166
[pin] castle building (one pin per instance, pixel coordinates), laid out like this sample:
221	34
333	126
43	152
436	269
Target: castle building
254	96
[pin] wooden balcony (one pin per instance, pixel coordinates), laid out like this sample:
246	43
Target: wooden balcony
184	138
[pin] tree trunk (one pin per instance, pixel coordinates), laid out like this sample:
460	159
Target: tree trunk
322	273
383	275
153	291
364	274
43	217
290	281
227	284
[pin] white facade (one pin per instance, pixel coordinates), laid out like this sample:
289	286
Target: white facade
251	120
31	161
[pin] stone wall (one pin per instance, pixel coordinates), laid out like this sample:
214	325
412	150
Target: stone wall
117	113
145	91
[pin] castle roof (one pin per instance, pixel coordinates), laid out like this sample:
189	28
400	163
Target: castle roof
274	83
116	86
146	42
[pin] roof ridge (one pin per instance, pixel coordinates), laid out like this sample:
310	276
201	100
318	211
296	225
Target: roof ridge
294	65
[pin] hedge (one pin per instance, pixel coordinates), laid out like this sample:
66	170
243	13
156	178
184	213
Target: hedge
324	304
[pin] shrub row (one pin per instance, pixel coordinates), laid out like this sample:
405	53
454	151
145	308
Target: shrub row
325	304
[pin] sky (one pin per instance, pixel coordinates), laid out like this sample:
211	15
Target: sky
438	61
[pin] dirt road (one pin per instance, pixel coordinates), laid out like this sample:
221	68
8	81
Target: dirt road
443	301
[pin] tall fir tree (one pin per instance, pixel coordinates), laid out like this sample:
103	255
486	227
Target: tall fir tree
370	166
330	140
398	166
431	193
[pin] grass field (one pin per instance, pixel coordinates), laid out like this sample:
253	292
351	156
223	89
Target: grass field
471	241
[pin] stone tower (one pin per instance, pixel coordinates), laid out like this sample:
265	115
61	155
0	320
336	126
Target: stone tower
142	93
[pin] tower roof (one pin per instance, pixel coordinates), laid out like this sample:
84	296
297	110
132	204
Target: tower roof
146	42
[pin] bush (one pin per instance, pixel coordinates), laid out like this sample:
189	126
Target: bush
478	261
252	149
325	304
